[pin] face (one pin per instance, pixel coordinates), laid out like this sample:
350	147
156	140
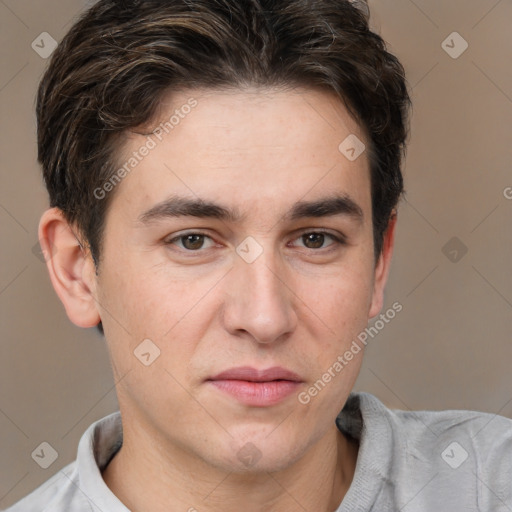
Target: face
242	243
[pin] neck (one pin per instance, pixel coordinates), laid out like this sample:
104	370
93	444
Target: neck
146	477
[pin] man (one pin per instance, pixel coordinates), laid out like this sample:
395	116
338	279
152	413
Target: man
223	180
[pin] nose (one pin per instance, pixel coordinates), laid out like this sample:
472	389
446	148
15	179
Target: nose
259	303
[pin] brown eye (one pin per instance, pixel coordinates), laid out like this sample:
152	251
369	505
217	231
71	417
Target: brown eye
192	242
318	240
313	240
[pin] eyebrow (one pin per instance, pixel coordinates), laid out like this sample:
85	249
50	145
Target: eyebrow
177	206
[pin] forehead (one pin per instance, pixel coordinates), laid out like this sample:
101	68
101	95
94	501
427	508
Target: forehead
250	148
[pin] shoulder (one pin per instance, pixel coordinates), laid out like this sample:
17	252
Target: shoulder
484	429
462	457
79	486
476	432
59	493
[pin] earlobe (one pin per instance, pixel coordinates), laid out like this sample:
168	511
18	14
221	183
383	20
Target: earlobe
70	267
382	267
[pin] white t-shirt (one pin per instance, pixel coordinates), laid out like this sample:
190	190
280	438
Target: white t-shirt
408	461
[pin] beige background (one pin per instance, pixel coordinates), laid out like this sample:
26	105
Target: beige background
449	347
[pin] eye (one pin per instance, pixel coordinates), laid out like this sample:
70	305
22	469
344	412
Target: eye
192	241
317	240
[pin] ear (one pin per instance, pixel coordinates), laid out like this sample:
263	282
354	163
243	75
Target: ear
382	267
71	268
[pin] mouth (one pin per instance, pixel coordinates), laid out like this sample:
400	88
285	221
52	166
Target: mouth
257	388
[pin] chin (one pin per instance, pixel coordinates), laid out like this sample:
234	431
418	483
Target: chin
260	454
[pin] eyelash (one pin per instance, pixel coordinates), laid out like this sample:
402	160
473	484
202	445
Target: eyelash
338	240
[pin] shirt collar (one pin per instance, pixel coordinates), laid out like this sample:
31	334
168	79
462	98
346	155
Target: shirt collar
98	445
363	417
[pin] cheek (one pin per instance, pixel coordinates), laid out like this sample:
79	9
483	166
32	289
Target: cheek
334	314
342	299
145	296
172	310
151	314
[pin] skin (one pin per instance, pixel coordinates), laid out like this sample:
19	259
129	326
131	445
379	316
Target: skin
297	305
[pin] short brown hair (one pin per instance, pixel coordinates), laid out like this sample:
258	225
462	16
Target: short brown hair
111	70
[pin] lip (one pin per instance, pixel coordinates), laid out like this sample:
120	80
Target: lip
253	375
257	388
